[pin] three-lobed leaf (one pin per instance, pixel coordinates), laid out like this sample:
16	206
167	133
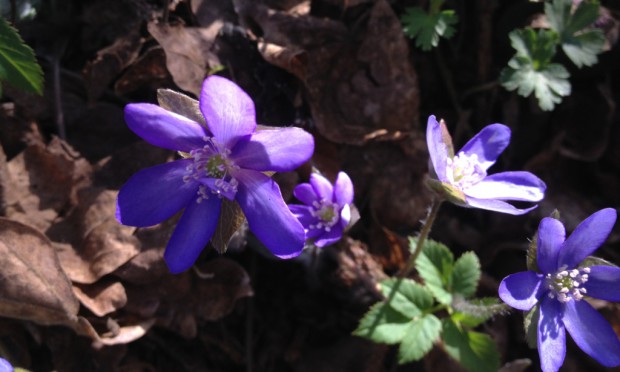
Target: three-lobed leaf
426	28
474	350
18	65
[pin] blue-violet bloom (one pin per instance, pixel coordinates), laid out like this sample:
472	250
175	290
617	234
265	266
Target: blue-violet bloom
5	366
327	211
462	178
225	160
560	287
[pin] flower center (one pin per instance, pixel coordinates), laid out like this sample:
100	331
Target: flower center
327	214
212	168
465	170
567	284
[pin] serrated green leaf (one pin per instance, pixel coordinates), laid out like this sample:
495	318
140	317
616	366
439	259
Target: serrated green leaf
435	266
580	44
406	296
466	274
475	351
530	324
419	338
474	312
427	29
18	65
382	324
531	70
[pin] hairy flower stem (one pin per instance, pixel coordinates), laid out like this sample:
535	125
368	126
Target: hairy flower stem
426	229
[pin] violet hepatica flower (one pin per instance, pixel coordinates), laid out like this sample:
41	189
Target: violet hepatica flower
559	289
463	179
225	161
5	366
327	211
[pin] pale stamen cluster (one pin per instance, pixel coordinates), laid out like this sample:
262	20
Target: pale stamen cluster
212	161
326	212
567	284
464	170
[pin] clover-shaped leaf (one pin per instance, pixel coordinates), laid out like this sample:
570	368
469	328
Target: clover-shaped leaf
426	28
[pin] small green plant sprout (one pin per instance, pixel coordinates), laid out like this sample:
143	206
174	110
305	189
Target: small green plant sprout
18	65
531	68
428	28
441	311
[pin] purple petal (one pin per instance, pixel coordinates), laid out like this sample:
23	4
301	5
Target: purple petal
587	237
155	194
303	215
521	290
345	216
592	333
329	237
551	335
163	128
322	186
437	148
280	150
268	216
523	186
488	144
496	205
5	366
305	193
551	235
228	110
193	232
343	190
604	283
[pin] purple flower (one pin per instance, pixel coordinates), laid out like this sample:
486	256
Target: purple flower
327	211
559	289
225	159
5	366
463	179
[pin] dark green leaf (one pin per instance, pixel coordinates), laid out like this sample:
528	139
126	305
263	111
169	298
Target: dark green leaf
427	29
530	324
583	48
419	338
18	65
475	351
382	324
406	296
435	266
466	274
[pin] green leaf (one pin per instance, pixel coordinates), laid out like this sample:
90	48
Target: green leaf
427	29
466	274
579	43
531	70
530	324
435	266
18	65
475	351
419	338
406	296
382	324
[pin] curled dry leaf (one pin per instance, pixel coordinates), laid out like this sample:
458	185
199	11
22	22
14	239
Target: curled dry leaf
33	286
43	181
125	334
188	52
103	244
357	81
102	297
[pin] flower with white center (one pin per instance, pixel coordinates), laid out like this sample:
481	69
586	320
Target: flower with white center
327	208
560	287
462	178
223	160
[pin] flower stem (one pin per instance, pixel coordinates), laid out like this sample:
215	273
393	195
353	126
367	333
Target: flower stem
426	229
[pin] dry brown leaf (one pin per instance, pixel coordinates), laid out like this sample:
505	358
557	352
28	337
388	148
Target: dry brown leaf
33	286
209	12
148	72
188	52
125	334
102	297
357	81
103	244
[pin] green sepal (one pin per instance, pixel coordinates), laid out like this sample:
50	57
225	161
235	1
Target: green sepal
474	350
530	325
445	191
595	261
